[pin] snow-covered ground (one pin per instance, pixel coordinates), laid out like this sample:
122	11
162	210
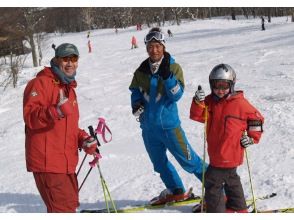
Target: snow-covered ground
264	64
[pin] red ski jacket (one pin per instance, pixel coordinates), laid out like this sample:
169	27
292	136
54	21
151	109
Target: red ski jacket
227	120
51	144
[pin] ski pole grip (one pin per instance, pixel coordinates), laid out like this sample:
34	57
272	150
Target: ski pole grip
199	87
91	130
92	133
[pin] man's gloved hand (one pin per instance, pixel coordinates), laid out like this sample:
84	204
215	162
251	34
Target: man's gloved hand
199	94
164	70
246	141
89	145
64	107
138	109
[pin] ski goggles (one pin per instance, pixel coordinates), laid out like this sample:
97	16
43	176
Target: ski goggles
73	59
158	36
221	84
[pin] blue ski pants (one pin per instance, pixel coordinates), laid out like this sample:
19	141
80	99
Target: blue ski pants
158	141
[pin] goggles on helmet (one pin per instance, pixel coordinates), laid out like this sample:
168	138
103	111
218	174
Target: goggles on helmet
221	84
158	36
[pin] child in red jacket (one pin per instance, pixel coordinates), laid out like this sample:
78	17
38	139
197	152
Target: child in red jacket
232	125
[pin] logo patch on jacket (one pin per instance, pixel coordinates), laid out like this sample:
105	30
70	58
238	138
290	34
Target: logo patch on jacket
34	93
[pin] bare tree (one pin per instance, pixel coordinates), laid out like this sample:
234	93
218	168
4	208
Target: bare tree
87	17
269	15
233	13
27	23
177	14
15	67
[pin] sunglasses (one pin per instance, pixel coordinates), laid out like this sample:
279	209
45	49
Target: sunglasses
73	59
154	36
221	85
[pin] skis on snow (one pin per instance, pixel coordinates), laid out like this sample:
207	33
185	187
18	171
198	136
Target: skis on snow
191	200
137	208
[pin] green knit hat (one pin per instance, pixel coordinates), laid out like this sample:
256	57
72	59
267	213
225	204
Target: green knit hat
66	49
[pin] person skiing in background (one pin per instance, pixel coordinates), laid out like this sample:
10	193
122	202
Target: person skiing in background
134	42
262	23
156	87
233	125
89	47
170	34
52	135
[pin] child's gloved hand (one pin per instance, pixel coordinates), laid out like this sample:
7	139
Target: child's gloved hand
246	141
199	94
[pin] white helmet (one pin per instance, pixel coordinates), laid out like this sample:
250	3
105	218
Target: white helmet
223	72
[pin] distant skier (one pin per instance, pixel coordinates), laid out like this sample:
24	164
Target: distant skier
51	115
262	23
89	46
134	42
156	87
88	34
170	34
139	27
233	125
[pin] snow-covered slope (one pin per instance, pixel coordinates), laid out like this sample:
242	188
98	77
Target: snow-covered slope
264	64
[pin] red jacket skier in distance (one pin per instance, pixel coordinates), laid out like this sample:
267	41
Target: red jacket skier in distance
227	120
51	145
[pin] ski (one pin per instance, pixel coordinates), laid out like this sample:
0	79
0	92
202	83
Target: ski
140	207
282	210
192	200
250	202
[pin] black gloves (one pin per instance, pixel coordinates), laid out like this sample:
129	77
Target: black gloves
164	70
138	109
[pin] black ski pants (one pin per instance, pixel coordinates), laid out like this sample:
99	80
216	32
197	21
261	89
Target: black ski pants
218	181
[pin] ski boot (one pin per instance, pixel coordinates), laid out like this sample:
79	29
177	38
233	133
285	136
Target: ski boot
167	196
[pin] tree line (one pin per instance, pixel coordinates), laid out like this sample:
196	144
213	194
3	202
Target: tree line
30	24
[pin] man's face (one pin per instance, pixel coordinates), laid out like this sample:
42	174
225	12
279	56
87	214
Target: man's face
155	51
68	65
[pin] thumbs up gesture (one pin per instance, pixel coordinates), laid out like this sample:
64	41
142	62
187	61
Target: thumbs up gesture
64	107
199	94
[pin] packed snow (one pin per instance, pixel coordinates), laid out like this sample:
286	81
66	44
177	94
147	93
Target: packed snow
264	64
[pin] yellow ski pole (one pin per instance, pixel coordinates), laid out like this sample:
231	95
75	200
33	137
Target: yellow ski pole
250	179
204	158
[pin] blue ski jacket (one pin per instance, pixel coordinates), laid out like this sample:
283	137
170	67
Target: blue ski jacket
158	96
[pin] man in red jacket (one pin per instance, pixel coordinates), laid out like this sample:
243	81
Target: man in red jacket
51	116
233	124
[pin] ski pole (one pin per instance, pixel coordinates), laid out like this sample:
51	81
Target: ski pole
85	178
107	197
91	130
204	149
103	182
81	164
95	136
250	179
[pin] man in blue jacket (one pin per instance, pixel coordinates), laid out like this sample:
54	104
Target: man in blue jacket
156	86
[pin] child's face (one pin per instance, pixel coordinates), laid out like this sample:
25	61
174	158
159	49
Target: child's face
221	92
221	88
